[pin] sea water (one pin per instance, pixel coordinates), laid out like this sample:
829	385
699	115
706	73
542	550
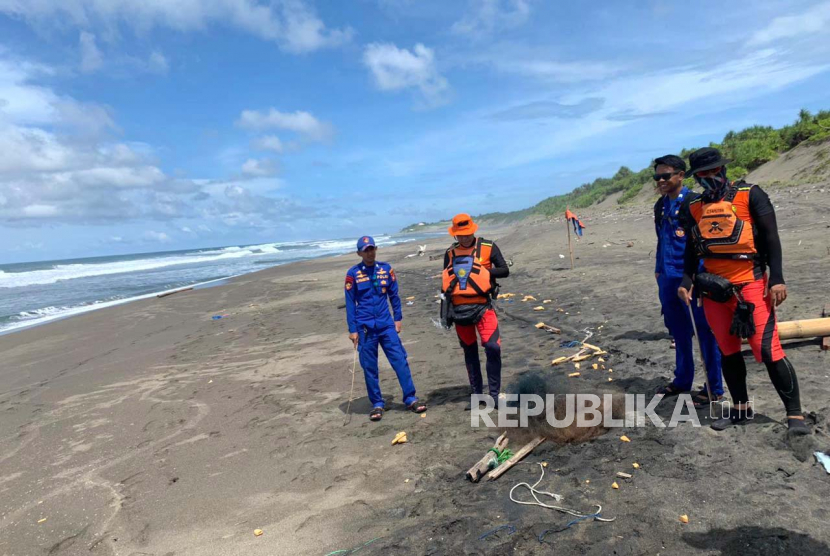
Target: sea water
34	293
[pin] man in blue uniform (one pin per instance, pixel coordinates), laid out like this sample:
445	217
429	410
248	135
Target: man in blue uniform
370	286
669	172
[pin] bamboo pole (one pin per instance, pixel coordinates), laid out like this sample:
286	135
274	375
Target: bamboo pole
517	457
825	342
808	328
570	245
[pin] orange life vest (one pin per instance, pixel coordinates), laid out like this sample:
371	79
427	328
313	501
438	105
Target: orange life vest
478	286
724	235
482	249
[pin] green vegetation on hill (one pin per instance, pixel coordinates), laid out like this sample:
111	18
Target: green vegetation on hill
748	149
756	145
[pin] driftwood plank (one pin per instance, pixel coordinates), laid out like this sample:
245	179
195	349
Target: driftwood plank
481	468
517	457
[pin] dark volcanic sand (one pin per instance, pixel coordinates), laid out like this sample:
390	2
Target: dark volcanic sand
152	429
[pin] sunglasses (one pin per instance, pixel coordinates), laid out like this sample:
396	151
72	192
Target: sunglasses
665	176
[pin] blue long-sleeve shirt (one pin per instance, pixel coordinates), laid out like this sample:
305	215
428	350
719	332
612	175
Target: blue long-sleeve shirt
671	236
369	289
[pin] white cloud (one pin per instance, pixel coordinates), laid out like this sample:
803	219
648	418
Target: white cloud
759	71
812	21
58	167
91	57
268	143
159	237
540	63
486	16
157	63
300	122
304	32
89	119
263	167
20	100
290	23
395	69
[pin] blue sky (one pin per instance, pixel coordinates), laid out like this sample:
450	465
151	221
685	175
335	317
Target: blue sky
147	125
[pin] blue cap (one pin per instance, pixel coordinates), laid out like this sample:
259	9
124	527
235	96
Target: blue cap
365	242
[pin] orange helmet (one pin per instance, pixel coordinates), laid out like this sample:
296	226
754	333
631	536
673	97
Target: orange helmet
462	225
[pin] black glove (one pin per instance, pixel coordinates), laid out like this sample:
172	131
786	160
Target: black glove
446	314
743	321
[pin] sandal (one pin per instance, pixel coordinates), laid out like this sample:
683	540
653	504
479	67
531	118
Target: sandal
417	407
701	399
376	414
669	390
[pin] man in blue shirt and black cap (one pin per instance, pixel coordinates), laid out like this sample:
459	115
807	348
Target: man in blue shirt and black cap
370	286
669	172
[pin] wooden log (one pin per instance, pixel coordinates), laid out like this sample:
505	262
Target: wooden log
165	294
481	468
825	342
517	457
808	328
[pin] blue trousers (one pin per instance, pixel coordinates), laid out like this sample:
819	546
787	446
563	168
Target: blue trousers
676	317
396	354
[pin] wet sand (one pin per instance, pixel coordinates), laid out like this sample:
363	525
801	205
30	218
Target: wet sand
151	428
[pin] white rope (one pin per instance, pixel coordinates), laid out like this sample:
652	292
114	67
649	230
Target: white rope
588	337
557	497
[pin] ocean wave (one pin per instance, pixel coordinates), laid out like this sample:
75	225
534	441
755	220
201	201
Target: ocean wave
62	272
25	319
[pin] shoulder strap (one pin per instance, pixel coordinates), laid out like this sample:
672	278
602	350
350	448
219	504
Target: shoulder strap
451	250
658	210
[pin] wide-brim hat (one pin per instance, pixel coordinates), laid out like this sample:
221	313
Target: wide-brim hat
462	225
705	159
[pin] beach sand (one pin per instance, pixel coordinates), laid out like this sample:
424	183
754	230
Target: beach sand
153	429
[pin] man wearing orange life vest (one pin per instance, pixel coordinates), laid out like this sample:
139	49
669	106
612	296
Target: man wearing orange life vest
732	227
471	267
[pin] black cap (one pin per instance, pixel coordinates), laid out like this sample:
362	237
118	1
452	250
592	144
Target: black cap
705	159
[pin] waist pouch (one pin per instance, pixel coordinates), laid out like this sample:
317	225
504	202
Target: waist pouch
468	314
714	287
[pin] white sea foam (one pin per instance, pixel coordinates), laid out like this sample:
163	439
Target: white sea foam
36	317
61	272
72	271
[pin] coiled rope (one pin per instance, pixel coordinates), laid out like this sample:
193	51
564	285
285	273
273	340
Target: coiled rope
557	497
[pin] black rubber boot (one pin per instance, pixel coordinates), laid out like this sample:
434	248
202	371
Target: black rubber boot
736	417
798	427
